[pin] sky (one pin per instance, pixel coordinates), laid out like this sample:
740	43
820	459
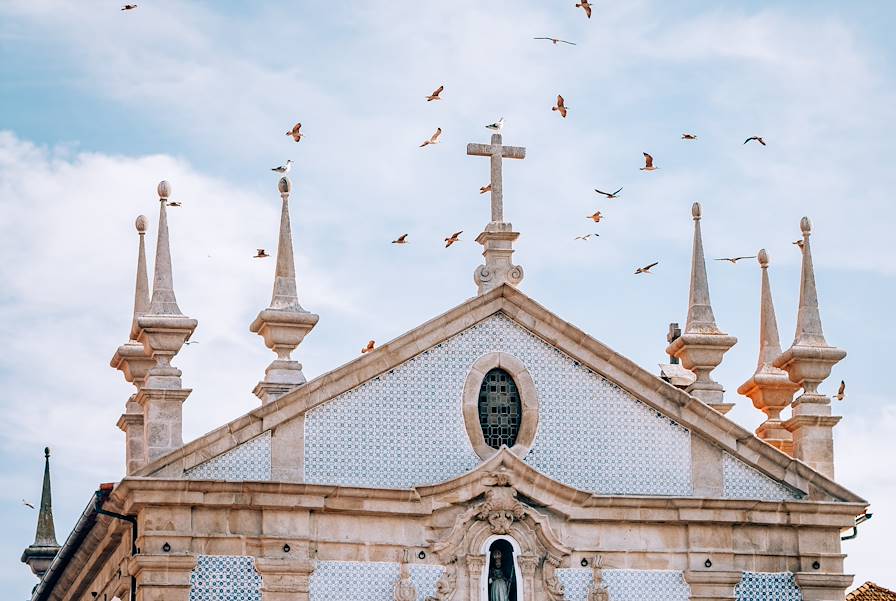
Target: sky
98	105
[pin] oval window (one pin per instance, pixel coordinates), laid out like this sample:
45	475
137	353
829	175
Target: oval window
500	410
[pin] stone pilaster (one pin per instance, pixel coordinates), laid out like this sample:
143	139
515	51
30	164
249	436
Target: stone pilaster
769	387
284	324
475	565
815	586
712	585
284	579
702	345
808	362
528	566
497	241
162	577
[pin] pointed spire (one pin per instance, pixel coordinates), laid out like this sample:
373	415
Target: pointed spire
702	345
163	299
141	288
808	319
284	324
808	362
769	388
700	317
41	553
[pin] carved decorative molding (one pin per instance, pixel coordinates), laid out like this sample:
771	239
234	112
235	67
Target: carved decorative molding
501	509
404	586
553	588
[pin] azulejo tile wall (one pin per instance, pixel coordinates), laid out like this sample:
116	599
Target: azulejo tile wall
626	585
767	586
368	581
405	428
248	461
225	578
744	482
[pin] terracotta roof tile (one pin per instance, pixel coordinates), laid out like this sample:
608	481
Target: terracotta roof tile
871	592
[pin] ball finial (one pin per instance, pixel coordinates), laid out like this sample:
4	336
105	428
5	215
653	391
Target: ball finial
762	256
284	185
164	189
140	224
696	210
806	225
47	452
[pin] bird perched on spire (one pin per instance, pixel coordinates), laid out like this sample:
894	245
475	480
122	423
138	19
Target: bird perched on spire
284	169
497	125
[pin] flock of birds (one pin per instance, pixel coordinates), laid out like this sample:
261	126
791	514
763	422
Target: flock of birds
560	107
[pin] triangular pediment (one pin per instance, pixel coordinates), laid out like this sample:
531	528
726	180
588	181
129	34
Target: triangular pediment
749	459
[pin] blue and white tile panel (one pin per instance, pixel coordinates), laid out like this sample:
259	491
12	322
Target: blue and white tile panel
368	581
248	461
626	585
767	586
744	482
225	578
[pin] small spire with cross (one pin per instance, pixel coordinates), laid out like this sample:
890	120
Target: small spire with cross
498	237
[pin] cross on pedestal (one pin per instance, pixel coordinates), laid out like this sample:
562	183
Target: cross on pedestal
497	152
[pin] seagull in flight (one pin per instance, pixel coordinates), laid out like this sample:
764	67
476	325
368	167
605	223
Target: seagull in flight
799	244
688	136
841	393
433	139
370	345
497	125
646	269
295	133
561	106
24	502
648	163
555	40
609	194
284	169
595	218
261	254
454	238
757	138
586	6
129	7
435	94
402	239
586	236
485	188
173	203
734	260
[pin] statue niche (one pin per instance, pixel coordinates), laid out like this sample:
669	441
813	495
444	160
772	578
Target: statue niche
501	575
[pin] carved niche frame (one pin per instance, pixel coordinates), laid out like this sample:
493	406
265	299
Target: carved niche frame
525	386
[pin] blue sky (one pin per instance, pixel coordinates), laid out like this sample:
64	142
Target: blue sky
97	106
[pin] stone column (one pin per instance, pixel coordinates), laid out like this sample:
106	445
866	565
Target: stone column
475	565
284	579
162	577
823	587
528	566
712	585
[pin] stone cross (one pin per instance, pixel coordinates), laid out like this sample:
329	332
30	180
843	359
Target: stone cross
497	152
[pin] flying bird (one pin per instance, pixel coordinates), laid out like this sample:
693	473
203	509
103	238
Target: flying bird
586	6
497	125
174	203
283	168
485	188
757	138
435	94
561	106
369	347
454	238
648	163
261	254
24	502
609	194
129	7
734	260
586	236
595	218
402	239
688	136
555	40
646	269
799	244
189	342
841	392
295	133
434	139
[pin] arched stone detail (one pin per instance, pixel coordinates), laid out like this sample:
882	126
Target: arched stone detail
525	386
501	513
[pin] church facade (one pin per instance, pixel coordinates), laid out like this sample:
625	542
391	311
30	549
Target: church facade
494	453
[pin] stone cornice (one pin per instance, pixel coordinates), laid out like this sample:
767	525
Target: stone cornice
647	387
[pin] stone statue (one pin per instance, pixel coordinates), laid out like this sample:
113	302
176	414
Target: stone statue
499	578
